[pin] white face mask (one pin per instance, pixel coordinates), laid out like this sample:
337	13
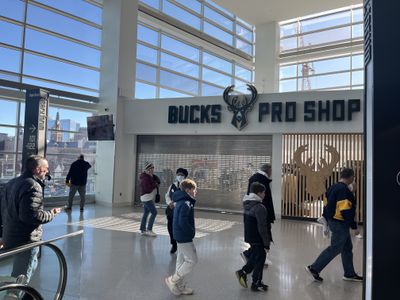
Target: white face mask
179	178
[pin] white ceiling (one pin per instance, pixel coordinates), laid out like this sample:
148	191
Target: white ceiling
263	11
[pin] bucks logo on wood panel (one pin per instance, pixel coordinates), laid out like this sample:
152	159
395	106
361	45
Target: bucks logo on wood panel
240	105
316	171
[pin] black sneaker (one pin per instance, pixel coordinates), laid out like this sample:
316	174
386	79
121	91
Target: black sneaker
242	277
259	287
314	274
355	277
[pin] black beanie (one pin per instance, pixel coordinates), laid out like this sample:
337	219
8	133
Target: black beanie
183	171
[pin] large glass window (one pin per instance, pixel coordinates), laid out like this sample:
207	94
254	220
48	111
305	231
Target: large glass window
10	60
178	68
66	140
179	48
181	14
208	18
62	53
10	34
305	63
58	23
179	65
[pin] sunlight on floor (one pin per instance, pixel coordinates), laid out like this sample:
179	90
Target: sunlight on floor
131	223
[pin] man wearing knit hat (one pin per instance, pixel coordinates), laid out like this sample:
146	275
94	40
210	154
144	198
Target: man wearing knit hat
149	183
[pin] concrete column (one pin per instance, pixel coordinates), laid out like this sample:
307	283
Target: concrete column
267	51
115	160
276	185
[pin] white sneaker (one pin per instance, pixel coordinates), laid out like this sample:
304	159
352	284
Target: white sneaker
185	290
151	233
143	232
172	286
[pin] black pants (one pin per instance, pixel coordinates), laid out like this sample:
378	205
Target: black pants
170	217
256	262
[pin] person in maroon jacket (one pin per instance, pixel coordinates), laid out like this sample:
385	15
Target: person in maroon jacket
148	190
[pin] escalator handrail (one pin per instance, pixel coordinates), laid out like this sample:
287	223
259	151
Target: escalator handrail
36	244
26	288
62	283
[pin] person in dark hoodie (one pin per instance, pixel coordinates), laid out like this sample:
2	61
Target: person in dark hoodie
339	211
76	180
257	235
149	183
263	176
22	216
183	232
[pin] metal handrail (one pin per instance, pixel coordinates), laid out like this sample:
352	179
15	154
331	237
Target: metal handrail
62	283
36	244
26	288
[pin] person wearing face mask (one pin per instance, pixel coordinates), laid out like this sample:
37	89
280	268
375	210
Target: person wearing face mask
181	174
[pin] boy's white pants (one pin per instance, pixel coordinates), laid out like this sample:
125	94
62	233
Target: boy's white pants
187	258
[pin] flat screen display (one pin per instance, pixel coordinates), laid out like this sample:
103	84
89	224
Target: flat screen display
100	128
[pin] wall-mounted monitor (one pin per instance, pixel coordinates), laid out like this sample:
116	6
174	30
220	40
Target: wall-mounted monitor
100	128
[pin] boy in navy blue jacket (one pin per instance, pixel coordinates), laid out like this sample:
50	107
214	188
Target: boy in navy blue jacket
183	232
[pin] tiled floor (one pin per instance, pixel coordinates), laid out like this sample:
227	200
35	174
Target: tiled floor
112	261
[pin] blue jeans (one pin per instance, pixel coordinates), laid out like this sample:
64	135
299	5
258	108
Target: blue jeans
340	244
149	207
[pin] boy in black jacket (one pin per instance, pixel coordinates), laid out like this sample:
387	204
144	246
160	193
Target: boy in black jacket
257	235
183	232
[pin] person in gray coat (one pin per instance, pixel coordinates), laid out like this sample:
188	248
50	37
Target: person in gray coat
256	233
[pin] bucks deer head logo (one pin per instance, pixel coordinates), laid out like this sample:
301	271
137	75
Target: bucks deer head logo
240	105
315	170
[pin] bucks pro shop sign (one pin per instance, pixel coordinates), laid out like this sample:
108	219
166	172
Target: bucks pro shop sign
275	111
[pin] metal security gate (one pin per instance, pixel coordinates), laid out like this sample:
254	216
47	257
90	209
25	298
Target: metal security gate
221	165
311	163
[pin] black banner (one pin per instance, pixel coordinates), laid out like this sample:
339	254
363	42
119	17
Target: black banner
35	126
382	123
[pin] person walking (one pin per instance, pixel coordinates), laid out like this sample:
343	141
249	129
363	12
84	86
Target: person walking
339	211
181	174
149	183
76	180
263	176
22	216
256	233
184	232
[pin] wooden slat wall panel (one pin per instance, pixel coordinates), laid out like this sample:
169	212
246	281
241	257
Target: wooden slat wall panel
297	200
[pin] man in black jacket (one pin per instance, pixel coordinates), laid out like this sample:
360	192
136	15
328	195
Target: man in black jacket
22	214
263	176
76	180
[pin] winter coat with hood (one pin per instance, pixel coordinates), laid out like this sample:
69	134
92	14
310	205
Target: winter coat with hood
255	221
183	224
